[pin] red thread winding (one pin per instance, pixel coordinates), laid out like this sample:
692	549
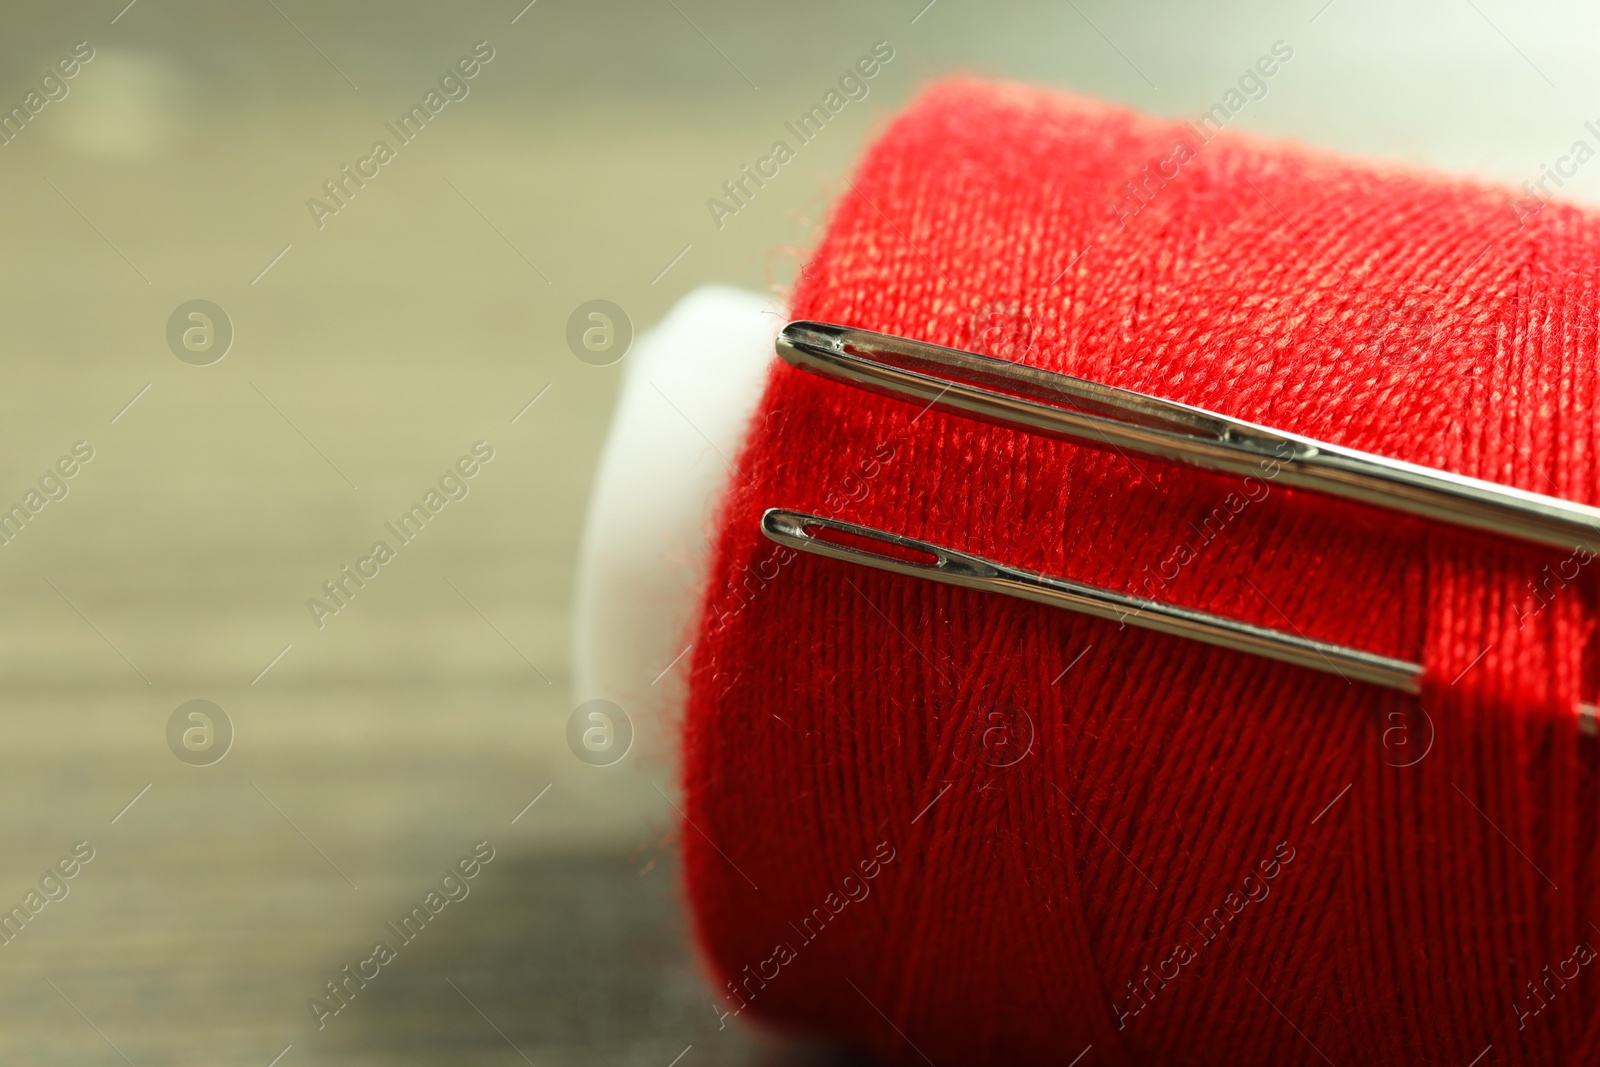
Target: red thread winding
1082	836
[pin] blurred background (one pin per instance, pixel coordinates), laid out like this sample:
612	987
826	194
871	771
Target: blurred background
345	363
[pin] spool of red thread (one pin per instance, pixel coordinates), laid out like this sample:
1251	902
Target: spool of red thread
962	829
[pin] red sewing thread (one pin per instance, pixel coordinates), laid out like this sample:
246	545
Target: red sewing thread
961	829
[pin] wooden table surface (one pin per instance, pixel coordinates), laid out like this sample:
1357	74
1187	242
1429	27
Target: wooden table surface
369	354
